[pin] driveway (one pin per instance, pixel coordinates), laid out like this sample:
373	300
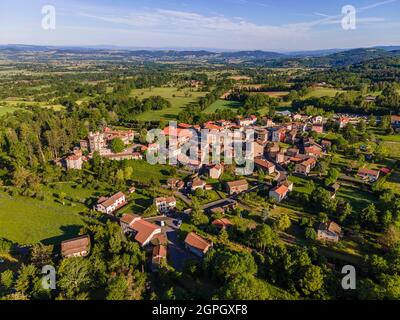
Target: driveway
177	253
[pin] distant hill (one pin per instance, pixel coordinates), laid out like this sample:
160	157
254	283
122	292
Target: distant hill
316	58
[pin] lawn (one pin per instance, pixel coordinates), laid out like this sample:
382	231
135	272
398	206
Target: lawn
394	149
28	221
318	92
393	181
300	184
145	172
357	198
179	100
222	105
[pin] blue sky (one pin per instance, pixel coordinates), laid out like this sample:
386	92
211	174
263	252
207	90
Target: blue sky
218	24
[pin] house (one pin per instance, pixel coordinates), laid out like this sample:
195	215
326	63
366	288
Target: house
222	223
142	230
395	121
305	166
164	205
197	183
215	171
175	184
312	151
132	190
279	192
334	188
317	120
247	121
329	231
222	206
238	186
278	134
273	149
326	144
159	256
74	162
368	174
197	244
265	165
111	204
257	149
318	128
291	136
261	135
77	247
343	121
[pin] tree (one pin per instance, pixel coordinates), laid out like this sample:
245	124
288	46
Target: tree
368	215
74	276
117	145
7	279
198	217
391	237
117	288
262	237
228	265
245	287
310	233
333	175
41	255
312	281
283	223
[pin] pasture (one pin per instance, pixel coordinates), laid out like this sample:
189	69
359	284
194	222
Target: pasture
27	221
179	100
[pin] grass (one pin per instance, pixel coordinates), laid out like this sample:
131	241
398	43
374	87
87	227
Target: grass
318	92
145	172
393	181
179	100
27	221
394	149
357	198
7	109
300	184
222	105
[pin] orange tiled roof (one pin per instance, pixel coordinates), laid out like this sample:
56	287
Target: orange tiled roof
195	241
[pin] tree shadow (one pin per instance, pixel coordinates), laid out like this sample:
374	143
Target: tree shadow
69	232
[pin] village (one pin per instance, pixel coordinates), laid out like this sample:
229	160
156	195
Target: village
280	151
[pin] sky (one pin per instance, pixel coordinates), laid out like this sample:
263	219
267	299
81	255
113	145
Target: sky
274	25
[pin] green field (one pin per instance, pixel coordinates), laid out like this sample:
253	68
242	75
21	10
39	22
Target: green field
7	109
222	105
322	92
27	221
179	100
358	199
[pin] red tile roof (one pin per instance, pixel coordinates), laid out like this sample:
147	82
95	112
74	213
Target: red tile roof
223	222
281	190
144	230
195	241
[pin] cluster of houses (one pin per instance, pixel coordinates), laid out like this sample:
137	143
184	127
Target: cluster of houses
268	151
100	142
